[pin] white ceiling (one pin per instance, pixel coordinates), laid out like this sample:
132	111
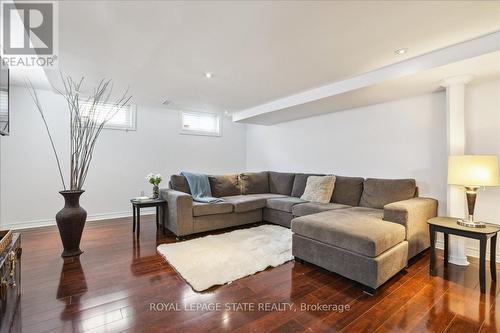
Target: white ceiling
414	76
485	68
257	51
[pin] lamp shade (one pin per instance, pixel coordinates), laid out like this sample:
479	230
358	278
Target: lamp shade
473	170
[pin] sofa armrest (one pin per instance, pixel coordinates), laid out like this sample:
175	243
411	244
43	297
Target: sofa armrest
413	215
179	218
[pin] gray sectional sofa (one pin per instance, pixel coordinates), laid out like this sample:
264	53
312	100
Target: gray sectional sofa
367	232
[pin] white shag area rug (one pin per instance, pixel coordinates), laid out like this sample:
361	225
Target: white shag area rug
218	259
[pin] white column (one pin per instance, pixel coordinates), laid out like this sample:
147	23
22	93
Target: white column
455	121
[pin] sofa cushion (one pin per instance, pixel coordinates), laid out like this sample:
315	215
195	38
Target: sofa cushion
309	208
373	212
202	209
319	189
299	183
347	190
254	182
225	185
283	204
266	195
280	182
179	183
379	192
352	231
245	203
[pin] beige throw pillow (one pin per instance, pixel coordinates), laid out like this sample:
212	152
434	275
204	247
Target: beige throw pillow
319	189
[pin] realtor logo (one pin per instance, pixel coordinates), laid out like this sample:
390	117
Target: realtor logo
29	28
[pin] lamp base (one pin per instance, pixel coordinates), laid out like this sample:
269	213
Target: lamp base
471	224
471	192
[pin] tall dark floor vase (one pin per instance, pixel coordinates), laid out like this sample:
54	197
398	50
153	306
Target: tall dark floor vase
70	221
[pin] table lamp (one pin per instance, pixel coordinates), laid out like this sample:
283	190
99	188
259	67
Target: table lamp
472	172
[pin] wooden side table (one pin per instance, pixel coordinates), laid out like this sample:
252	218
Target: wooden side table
449	226
160	206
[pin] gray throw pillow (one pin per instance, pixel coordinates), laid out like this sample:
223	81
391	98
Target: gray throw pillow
225	185
319	189
379	192
254	182
347	190
179	183
281	182
299	183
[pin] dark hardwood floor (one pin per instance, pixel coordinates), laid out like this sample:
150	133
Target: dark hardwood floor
110	288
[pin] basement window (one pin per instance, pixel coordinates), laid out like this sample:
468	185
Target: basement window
123	119
4	105
200	123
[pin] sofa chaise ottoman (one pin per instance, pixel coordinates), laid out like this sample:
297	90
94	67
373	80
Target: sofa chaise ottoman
371	243
361	247
367	232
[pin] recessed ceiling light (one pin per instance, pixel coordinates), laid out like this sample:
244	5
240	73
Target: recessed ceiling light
208	75
165	102
401	51
226	112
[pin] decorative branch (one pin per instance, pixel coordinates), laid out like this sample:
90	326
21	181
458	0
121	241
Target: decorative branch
34	95
86	123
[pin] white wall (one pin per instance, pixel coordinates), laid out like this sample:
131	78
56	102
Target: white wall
399	139
482	119
404	138
29	179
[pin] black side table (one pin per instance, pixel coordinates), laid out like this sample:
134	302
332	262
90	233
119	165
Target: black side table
448	225
160	205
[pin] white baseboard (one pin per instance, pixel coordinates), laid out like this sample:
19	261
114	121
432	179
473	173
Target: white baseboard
92	217
470	250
